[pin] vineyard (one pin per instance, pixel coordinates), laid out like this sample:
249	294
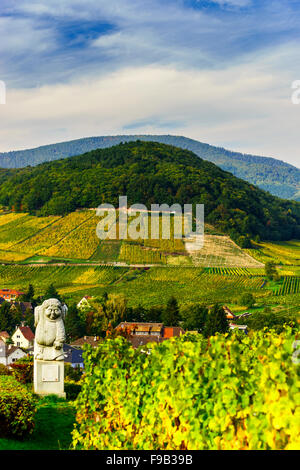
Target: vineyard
285	253
237	271
73	237
140	286
230	392
290	285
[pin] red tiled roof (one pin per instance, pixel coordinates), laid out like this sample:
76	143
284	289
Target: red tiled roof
26	332
10	292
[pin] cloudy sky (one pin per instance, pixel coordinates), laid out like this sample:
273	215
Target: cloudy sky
217	71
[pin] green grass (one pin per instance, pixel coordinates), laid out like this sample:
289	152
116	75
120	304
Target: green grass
54	422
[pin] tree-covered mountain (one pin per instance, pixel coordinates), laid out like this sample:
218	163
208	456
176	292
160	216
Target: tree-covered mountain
150	172
275	176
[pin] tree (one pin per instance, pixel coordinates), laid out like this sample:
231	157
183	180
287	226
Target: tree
73	324
28	296
115	308
137	314
247	299
29	318
194	317
170	314
51	293
6	318
271	271
244	241
216	321
154	314
273	320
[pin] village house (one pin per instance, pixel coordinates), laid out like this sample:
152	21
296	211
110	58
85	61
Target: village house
23	337
4	336
10	294
23	306
243	328
94	341
84	304
73	356
141	333
142	328
10	353
231	316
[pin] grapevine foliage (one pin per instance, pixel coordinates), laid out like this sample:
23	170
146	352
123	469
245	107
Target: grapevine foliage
229	392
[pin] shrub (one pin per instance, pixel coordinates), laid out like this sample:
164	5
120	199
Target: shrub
23	370
72	390
4	370
225	392
17	408
73	373
247	299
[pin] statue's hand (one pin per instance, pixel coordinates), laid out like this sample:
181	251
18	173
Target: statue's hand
57	344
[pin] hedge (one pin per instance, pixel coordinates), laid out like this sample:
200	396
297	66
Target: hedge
232	391
17	408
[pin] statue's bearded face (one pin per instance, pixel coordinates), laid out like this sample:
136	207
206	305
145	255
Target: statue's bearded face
53	311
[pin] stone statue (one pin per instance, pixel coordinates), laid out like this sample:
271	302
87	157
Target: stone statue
50	331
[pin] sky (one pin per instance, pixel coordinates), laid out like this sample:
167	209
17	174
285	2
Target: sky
220	72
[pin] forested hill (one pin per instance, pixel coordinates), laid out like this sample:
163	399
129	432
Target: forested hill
149	172
275	176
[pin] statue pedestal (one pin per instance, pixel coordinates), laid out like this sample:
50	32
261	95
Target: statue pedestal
48	378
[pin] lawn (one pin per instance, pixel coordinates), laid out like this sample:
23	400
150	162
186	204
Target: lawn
53	426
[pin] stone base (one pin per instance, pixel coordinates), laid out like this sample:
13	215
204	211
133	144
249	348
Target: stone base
48	378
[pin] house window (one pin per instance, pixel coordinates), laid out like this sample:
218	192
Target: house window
18	343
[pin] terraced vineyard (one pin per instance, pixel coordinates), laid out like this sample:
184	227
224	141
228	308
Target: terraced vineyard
25	238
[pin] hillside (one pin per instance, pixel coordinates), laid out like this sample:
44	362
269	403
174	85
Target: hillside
151	173
270	174
72	239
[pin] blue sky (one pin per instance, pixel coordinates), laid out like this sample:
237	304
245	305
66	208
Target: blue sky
217	71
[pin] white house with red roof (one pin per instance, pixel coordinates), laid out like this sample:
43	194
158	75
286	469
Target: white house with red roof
23	337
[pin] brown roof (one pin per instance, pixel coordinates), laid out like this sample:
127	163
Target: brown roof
228	312
10	349
26	332
4	334
7	350
92	340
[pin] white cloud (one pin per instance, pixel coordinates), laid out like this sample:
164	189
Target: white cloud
235	3
240	108
221	79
